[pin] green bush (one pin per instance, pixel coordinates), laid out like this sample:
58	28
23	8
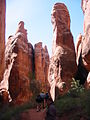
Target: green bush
76	103
76	89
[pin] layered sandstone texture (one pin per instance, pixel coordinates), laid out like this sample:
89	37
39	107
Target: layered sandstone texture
62	64
2	36
18	58
41	57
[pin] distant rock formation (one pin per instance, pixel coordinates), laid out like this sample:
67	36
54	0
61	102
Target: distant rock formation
62	64
41	65
2	35
83	47
18	58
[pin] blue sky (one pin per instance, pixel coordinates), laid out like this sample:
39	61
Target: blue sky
36	15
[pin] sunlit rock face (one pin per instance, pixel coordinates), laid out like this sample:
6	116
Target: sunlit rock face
88	80
62	64
78	47
41	65
86	39
86	10
2	36
18	58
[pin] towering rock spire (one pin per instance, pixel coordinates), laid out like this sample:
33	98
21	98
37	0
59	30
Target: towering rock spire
18	58
2	35
62	64
61	22
21	29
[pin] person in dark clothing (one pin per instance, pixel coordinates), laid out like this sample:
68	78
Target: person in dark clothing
41	100
51	110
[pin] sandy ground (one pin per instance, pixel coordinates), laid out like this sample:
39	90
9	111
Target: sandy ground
32	114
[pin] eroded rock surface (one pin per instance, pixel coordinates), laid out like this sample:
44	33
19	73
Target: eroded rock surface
18	59
62	65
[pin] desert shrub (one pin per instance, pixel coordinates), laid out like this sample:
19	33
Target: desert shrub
76	89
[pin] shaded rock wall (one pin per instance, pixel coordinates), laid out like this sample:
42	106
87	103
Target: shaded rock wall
41	65
62	65
2	35
83	46
82	72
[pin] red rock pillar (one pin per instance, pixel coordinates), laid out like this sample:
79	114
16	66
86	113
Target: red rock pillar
62	64
17	57
2	36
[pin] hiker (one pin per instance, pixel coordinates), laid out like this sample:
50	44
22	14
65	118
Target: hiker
51	110
41	100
